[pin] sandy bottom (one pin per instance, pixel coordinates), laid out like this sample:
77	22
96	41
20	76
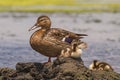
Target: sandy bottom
103	40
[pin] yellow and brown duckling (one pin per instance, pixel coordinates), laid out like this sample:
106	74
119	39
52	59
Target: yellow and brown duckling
97	65
75	51
66	52
50	41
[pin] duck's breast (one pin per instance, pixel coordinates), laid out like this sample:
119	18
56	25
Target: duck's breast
37	37
37	42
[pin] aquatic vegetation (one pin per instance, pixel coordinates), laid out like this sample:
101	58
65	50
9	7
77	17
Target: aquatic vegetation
58	6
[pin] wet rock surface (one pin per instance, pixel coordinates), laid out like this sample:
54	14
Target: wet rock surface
59	69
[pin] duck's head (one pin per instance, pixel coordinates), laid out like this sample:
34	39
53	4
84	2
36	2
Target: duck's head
79	45
94	65
82	45
43	21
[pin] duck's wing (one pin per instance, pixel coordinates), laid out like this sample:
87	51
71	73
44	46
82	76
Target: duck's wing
61	34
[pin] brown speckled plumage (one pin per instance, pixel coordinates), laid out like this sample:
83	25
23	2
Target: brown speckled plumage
48	41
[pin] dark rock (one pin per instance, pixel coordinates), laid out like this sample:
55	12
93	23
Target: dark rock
24	77
7	72
60	69
26	67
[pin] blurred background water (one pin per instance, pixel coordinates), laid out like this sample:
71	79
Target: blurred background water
80	16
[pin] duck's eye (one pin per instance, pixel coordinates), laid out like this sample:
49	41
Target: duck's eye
42	19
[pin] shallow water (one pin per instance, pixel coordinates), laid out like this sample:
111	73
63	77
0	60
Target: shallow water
103	40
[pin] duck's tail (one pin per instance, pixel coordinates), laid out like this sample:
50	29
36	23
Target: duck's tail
81	34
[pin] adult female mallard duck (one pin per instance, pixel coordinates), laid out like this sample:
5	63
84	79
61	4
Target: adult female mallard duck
50	41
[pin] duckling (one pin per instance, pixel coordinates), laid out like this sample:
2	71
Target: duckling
66	52
75	51
97	65
50	41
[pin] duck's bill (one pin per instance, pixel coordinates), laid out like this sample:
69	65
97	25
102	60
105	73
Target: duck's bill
33	27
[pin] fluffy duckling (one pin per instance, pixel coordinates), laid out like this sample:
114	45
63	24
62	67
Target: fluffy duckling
97	65
75	51
66	52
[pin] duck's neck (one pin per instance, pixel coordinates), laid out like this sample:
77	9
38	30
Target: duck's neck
46	26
